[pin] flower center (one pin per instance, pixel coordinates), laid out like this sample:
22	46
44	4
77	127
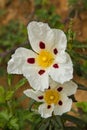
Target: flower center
45	58
51	96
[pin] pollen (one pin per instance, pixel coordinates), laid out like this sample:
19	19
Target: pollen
45	58
51	96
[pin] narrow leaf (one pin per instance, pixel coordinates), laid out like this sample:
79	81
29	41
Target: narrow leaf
72	128
82	87
77	121
9	79
77	44
31	102
20	83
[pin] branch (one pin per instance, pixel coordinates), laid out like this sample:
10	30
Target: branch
4	54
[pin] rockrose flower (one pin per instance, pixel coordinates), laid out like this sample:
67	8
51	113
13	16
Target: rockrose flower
54	99
48	57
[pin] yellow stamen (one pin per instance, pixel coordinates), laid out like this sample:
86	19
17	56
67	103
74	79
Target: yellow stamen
51	96
45	59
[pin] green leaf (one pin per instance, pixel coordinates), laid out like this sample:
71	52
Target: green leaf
82	105
4	115
77	55
81	56
50	127
20	99
9	95
72	13
82	87
13	124
42	14
78	44
31	116
21	113
2	71
72	2
2	124
44	124
57	123
77	68
9	79
20	83
72	128
84	69
31	102
2	94
80	123
2	91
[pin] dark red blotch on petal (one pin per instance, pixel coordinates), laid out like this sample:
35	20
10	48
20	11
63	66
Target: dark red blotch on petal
49	87
60	89
42	45
55	51
55	66
49	106
40	97
41	72
31	60
60	102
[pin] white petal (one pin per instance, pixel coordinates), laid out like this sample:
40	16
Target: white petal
65	107
61	75
34	94
60	40
18	59
38	82
45	111
62	57
64	72
39	31
52	83
15	66
69	88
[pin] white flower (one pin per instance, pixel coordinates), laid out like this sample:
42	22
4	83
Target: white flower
55	99
47	58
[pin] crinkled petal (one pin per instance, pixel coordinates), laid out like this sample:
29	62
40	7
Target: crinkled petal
63	57
61	75
53	84
40	32
14	66
18	59
65	107
34	95
37	81
45	111
69	88
60	40
64	72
